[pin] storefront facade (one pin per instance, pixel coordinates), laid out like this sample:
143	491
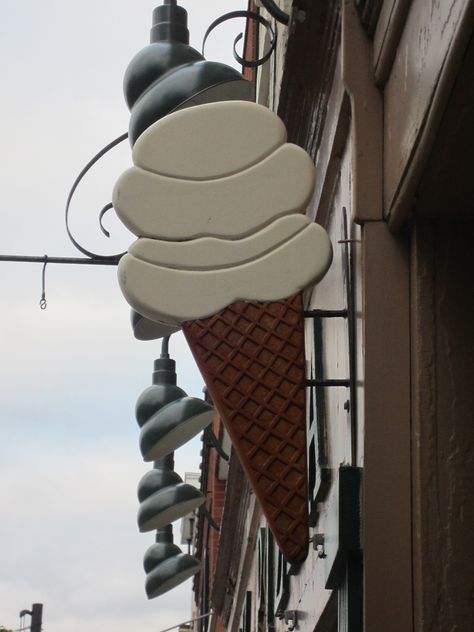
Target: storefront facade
380	95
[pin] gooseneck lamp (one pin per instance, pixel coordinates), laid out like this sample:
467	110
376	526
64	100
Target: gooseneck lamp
167	416
164	497
169	75
166	565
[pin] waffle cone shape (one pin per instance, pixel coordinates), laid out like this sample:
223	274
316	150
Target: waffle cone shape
251	356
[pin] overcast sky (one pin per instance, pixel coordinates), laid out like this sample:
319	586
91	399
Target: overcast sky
70	375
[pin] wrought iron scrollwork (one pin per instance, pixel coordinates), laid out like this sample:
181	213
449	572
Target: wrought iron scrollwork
246	63
106	208
89	165
275	11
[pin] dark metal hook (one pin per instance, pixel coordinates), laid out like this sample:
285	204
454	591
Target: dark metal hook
43	304
247	63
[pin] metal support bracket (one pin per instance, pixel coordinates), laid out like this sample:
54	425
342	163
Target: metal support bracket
325	313
214	441
329	383
347	313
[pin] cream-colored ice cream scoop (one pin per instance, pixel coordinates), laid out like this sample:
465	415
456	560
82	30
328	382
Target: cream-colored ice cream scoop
216	198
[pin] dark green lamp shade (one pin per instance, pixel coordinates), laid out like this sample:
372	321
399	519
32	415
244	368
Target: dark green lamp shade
156	479
159	553
167	505
154	398
167	567
173	425
169	75
146	329
191	84
164	498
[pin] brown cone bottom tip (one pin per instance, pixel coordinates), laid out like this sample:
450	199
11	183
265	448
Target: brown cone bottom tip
251	356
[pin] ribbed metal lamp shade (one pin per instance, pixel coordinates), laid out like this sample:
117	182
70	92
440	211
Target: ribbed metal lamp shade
190	84
167	416
164	498
161	476
166	565
170	574
174	425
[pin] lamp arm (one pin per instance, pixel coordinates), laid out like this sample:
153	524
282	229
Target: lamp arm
211	437
212	523
165	344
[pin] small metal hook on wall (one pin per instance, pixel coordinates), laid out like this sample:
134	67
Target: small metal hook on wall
43	304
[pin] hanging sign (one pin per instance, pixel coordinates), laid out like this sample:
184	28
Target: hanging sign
216	198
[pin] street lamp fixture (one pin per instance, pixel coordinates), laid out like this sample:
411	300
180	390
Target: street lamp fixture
169	75
167	416
166	565
164	497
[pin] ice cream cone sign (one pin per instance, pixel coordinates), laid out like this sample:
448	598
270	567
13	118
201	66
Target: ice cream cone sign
217	197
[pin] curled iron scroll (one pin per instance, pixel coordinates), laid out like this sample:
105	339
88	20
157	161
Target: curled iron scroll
275	11
89	165
246	63
106	208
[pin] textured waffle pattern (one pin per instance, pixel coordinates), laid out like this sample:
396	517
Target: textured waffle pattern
251	356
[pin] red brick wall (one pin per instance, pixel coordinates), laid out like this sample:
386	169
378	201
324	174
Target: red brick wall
251	44
208	540
215	496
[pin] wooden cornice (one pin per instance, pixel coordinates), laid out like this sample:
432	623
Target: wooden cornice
310	64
